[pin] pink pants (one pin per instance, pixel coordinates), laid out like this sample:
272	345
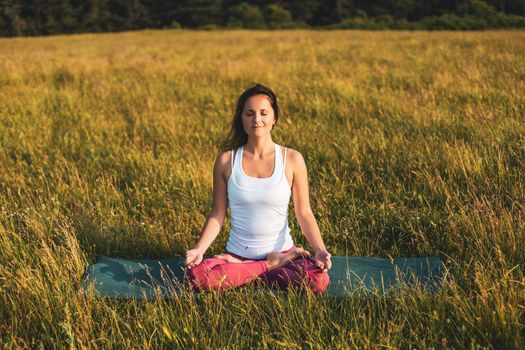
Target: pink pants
217	274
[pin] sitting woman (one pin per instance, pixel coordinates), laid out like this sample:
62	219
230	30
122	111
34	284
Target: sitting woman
255	179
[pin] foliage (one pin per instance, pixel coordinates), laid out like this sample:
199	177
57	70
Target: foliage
245	15
37	17
277	17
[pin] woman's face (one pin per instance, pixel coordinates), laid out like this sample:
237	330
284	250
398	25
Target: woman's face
258	117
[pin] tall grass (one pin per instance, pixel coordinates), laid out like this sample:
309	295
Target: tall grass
414	142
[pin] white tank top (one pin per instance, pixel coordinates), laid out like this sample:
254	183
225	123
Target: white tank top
258	210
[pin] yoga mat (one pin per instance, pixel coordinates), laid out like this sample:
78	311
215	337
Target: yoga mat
146	278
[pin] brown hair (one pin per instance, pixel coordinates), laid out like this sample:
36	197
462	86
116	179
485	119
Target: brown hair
237	136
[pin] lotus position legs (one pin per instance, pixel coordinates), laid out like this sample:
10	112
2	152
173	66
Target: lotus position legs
280	270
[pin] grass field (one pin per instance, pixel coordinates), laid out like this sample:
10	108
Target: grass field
414	143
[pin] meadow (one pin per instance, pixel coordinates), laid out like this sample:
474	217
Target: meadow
414	143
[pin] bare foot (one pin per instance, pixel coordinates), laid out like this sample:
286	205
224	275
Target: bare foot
228	258
275	260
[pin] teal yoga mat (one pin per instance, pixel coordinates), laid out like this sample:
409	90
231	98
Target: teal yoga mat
147	278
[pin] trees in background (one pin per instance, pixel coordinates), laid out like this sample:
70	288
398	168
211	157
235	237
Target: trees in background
244	15
44	17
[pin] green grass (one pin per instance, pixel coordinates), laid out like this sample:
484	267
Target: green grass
414	143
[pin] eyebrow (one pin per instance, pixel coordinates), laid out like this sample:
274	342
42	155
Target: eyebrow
262	109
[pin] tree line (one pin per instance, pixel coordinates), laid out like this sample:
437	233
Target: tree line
47	17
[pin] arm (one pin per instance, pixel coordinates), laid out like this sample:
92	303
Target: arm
215	218
303	211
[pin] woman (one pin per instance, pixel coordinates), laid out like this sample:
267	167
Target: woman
253	179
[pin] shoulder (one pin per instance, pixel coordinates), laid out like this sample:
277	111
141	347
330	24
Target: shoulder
294	158
221	167
223	159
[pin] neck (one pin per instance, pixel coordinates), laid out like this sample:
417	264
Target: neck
259	146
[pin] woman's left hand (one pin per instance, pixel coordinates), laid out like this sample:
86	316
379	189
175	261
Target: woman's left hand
322	260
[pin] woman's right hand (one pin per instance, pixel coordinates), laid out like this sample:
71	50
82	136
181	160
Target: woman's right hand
193	258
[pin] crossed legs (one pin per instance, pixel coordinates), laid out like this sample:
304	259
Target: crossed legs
280	270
